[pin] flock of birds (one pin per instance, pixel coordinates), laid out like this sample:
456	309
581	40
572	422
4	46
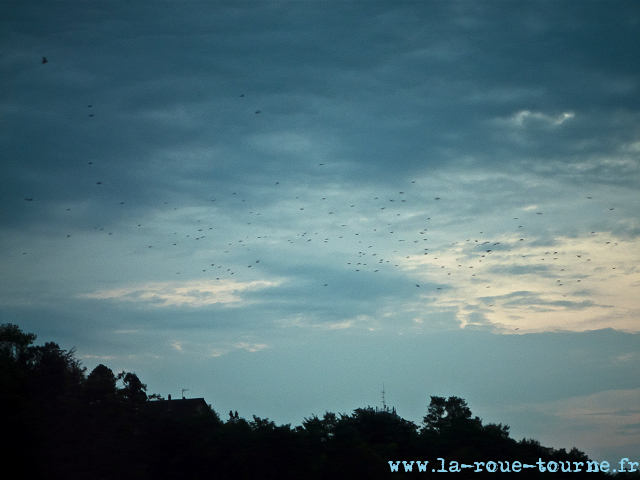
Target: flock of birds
365	234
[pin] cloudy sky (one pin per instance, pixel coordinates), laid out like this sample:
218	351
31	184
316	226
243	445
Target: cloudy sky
281	206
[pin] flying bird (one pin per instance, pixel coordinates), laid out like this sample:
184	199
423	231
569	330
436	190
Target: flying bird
44	60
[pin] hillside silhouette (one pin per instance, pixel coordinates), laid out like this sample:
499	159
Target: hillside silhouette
64	423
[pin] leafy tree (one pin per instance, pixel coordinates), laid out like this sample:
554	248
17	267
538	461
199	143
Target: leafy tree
133	389
445	414
496	430
55	371
451	431
320	430
262	424
15	366
378	427
100	385
233	418
14	343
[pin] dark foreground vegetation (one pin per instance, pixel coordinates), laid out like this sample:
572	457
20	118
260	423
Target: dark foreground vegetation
58	422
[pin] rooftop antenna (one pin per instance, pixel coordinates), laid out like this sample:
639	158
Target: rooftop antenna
184	390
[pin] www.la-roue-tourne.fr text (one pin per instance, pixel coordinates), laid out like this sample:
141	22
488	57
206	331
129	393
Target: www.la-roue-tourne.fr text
442	466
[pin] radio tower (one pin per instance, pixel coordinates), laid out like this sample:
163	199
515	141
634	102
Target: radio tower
384	405
385	409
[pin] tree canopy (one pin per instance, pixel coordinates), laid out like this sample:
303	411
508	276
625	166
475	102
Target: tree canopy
66	424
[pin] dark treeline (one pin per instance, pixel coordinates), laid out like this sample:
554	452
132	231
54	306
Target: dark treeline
58	422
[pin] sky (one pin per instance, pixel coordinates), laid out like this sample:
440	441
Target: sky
286	206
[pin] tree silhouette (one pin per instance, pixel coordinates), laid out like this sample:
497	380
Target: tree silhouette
14	343
100	385
56	371
63	424
445	414
133	389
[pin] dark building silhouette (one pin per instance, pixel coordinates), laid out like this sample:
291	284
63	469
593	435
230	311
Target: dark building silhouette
181	409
